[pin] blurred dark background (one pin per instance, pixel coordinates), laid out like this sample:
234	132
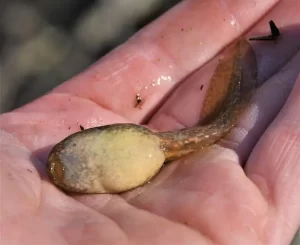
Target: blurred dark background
45	42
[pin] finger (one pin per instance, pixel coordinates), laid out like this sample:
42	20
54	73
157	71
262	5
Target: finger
275	61
183	107
142	65
162	54
271	56
207	190
210	188
159	56
266	104
274	166
185	191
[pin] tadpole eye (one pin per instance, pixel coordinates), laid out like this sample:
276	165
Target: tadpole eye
56	170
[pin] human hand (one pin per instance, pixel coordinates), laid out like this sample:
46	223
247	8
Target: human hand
205	198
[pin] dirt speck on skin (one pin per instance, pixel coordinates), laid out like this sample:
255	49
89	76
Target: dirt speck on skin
10	176
138	101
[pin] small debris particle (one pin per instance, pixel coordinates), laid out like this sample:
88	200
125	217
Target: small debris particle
10	176
81	127
275	34
138	101
201	87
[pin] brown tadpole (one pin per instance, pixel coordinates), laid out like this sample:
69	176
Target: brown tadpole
119	157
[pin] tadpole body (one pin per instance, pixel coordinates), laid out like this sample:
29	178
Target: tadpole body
119	157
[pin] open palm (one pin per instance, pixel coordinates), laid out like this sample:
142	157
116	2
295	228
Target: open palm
204	198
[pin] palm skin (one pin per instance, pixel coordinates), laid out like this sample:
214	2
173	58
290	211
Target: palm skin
204	198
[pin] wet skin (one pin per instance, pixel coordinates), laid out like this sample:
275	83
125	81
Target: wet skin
119	157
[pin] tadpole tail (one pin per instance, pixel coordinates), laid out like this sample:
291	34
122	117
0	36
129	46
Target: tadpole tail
241	86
